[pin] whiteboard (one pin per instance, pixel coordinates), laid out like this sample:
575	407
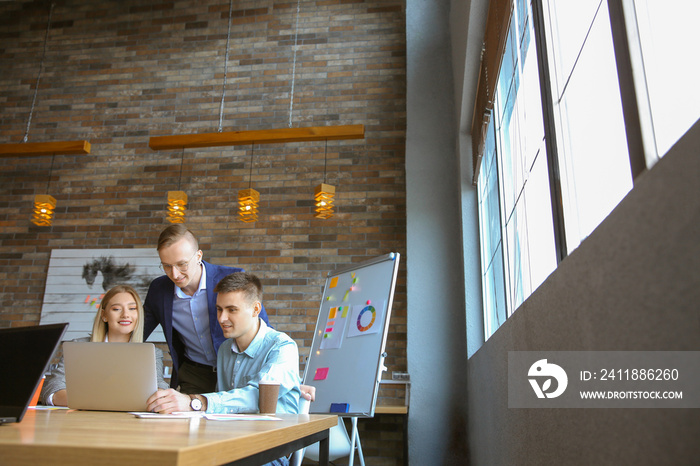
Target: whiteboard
347	354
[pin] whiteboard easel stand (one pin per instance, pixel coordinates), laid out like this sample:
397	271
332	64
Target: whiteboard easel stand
355	437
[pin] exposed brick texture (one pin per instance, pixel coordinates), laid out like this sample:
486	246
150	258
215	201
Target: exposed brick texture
119	72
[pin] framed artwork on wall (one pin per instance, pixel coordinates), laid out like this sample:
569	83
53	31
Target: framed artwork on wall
78	278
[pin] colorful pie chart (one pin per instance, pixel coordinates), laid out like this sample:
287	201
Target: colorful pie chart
364	328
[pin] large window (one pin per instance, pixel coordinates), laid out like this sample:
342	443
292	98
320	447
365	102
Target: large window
518	250
590	130
669	43
555	158
493	279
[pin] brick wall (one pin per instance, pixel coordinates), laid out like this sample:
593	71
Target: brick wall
119	72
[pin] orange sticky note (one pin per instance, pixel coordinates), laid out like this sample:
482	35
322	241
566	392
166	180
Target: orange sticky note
35	397
334	282
331	313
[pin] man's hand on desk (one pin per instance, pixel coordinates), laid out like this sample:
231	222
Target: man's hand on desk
170	401
308	392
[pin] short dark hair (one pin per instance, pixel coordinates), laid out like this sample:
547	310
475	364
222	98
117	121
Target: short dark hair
174	233
241	281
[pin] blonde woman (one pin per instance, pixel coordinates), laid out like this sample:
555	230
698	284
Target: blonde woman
119	319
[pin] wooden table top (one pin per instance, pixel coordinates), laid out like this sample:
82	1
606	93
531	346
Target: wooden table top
99	437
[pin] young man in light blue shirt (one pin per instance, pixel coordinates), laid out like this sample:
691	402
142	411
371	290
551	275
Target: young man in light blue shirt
252	351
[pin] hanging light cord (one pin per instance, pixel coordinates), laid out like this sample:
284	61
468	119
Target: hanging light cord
250	175
325	161
223	93
182	161
294	66
48	183
38	78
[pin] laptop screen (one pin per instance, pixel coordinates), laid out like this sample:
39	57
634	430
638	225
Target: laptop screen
25	353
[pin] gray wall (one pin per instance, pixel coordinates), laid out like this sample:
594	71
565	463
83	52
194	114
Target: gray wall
467	27
436	347
632	285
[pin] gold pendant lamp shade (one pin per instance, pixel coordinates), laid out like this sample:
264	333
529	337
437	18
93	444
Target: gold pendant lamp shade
324	193
323	199
44	206
248	200
177	200
177	205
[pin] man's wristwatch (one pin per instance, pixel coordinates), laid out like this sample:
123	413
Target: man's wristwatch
195	403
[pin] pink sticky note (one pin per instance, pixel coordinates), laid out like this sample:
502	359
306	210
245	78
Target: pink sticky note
321	373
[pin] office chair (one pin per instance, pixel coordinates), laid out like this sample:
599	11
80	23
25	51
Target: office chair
338	441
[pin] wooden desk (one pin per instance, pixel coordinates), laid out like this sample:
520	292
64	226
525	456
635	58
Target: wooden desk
96	437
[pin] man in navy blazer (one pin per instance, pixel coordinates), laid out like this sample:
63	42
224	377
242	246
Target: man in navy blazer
184	305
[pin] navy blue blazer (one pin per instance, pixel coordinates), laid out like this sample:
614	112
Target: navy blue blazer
158	309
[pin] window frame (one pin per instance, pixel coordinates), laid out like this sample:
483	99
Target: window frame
636	114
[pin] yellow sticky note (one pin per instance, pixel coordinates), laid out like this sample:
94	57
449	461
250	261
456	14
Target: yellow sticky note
331	313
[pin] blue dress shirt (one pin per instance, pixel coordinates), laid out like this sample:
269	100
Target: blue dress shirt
271	354
191	320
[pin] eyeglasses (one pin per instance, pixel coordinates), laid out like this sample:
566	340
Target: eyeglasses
182	266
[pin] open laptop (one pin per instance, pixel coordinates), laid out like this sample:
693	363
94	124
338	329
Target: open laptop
25	353
109	376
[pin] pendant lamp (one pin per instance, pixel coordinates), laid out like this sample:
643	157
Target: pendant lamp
248	199
177	200
324	193
44	204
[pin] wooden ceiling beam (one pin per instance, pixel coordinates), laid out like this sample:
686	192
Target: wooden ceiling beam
265	136
44	148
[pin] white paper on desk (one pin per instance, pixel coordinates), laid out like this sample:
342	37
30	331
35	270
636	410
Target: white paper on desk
47	408
240	417
177	415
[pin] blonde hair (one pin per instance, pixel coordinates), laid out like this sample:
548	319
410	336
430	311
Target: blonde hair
99	327
174	233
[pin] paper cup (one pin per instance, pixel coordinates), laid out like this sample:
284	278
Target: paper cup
267	402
